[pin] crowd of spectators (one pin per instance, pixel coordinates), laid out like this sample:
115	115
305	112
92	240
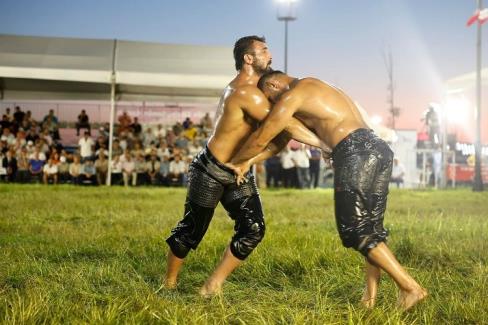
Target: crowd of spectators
32	151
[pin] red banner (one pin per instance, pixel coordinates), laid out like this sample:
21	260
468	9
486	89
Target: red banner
465	173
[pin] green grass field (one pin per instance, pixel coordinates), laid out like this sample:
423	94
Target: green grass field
97	255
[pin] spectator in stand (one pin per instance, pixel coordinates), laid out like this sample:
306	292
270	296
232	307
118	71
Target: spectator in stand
101	150
152	167
136	127
177	169
86	147
177	128
35	167
5	123
32	135
206	122
397	173
29	120
140	170
18	115
50	172
194	147
51	116
51	122
164	171
186	123
148	137
10	118
43	147
38	153
124	122
138	150
159	132
9	163
288	167
190	132
128	169
101	168
23	175
75	169
116	149
181	142
301	158
88	174
83	123
116	175
316	155
170	138
63	168
8	136
163	150
46	136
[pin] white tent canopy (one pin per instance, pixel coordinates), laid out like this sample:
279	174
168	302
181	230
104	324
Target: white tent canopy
65	68
465	81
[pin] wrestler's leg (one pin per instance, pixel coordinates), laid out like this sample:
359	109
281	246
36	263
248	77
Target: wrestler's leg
244	206
203	196
214	283
186	235
410	291
373	274
173	268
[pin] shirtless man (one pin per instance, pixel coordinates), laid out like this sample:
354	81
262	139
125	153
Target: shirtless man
362	164
210	181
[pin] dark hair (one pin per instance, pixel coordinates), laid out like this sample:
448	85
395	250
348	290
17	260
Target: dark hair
268	75
243	47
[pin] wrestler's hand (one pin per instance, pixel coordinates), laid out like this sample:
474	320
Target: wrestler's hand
240	170
326	154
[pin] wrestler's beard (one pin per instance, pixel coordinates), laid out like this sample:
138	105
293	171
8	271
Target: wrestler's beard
260	70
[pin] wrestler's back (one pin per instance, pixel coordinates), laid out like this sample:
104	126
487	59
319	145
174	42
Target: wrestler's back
232	128
327	110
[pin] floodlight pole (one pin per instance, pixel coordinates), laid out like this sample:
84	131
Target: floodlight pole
478	181
113	84
286	17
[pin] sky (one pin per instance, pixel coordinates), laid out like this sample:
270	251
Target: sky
339	41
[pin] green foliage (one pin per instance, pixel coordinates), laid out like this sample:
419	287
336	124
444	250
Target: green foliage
97	255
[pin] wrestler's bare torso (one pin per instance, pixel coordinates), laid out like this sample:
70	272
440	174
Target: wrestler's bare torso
325	109
232	126
242	105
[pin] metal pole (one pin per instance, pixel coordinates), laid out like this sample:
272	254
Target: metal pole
112	116
478	182
444	150
286	45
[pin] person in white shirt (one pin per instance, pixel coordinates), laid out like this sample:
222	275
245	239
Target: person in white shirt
177	169
397	173
288	167
50	171
86	147
301	158
129	170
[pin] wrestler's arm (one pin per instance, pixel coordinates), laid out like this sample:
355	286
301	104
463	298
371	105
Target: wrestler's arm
276	122
257	107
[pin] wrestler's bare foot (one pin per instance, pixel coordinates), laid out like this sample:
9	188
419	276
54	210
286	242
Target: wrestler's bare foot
210	289
373	274
368	300
170	284
408	299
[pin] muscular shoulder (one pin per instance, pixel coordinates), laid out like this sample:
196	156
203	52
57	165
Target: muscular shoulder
246	97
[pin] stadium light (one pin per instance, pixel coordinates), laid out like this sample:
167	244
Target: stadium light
457	110
376	120
286	14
